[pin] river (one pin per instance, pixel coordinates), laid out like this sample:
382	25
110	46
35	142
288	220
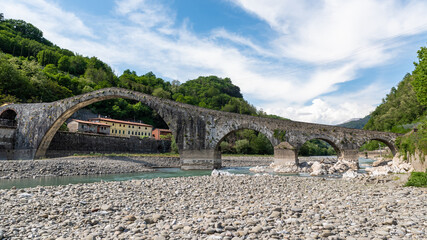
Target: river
159	173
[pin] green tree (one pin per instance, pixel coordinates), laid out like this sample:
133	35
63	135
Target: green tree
420	77
398	108
12	81
242	146
159	92
64	63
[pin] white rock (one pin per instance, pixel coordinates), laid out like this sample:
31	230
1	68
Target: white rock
349	174
317	169
260	169
25	195
216	173
379	171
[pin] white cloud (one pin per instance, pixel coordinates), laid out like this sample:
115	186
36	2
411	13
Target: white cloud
53	21
332	109
296	73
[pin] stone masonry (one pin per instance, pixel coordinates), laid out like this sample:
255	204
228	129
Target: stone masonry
197	131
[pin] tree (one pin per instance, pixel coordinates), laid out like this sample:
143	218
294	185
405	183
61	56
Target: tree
242	146
12	81
77	65
64	63
420	77
159	92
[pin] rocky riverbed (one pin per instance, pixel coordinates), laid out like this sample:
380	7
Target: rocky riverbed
223	207
72	166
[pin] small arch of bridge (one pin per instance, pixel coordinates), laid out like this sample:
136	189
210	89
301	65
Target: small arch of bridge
255	127
8	117
327	139
387	142
330	140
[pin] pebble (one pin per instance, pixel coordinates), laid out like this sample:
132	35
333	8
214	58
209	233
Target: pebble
89	165
242	207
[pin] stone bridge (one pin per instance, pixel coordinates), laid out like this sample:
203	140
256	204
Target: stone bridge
26	130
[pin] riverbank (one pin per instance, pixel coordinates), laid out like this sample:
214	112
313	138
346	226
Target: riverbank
224	207
99	164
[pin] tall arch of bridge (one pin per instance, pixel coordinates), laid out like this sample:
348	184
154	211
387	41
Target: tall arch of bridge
197	131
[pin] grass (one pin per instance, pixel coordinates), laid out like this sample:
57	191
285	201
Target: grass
417	179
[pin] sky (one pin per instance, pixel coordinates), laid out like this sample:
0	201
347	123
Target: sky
309	60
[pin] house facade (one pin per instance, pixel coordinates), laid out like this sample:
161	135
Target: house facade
88	127
125	128
162	134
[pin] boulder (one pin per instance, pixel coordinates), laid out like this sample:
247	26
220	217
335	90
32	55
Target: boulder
350	174
318	169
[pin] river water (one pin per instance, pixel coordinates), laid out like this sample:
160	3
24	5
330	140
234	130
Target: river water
159	173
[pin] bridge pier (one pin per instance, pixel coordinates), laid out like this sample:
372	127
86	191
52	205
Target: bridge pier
351	157
200	159
285	154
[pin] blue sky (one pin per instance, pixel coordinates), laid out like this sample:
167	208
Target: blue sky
315	61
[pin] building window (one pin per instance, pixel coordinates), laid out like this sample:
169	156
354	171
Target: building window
139	127
128	132
145	128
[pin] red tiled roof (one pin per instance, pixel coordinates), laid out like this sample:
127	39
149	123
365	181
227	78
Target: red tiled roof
91	123
120	121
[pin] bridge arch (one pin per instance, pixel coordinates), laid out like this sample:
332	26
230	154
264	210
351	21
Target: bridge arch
73	104
243	126
218	144
8	117
330	140
387	142
326	139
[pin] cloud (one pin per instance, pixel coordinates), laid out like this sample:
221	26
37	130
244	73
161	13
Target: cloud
332	109
55	22
297	72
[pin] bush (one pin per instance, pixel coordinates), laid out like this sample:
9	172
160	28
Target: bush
242	146
414	140
417	179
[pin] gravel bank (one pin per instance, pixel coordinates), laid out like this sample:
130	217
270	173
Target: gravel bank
227	207
72	166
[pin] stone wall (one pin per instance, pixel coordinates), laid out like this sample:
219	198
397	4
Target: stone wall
67	143
419	164
6	142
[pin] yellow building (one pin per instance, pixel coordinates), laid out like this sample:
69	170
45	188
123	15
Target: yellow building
124	128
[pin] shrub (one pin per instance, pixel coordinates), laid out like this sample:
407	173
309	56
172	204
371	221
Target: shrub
417	179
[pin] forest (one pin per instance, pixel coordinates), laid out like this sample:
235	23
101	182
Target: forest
403	110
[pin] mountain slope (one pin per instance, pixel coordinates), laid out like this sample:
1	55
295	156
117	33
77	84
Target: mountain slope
357	124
